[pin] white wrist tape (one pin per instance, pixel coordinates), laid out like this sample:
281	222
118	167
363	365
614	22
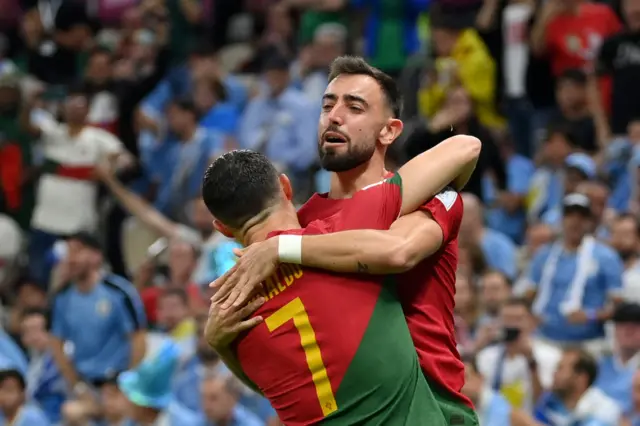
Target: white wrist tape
290	249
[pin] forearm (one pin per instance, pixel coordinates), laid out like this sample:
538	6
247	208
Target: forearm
64	364
368	251
537	39
231	361
140	208
138	348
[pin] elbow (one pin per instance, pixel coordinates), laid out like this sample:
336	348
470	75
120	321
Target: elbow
401	258
469	147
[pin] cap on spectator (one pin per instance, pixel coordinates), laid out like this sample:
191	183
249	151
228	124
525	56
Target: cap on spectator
583	163
149	385
276	62
86	239
627	312
576	203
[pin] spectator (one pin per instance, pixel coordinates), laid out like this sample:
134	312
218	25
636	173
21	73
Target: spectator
103	102
45	384
112	345
573	398
508	214
216	114
281	123
174	318
114	404
456	116
66	194
492	408
498	250
625	239
461	59
519	367
615	372
148	390
220	403
574	280
11	355
574	110
14	408
617	59
495	290
631	417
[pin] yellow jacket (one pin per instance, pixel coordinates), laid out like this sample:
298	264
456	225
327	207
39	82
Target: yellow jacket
476	72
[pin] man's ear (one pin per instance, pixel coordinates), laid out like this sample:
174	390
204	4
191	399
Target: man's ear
220	227
391	131
285	184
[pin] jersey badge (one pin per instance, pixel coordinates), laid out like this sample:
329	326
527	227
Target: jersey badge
103	307
447	197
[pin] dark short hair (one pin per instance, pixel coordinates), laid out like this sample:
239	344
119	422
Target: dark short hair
564	130
585	364
519	301
180	293
186	104
632	217
573	75
13	374
355	65
32	312
101	50
87	240
240	185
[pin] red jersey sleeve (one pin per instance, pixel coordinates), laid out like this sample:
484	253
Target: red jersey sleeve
446	209
375	206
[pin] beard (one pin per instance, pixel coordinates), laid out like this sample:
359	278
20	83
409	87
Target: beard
332	161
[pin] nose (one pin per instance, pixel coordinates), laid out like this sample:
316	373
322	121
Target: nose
335	116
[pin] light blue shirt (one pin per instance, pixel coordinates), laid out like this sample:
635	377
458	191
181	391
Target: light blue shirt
616	380
519	172
98	324
46	386
222	117
605	279
11	356
186	384
495	411
30	415
177	415
241	417
499	252
284	129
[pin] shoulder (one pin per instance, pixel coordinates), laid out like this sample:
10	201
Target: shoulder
606	253
497	237
183	414
119	286
34	415
542	252
248	418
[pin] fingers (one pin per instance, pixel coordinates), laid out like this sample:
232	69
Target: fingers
233	296
248	324
245	291
250	308
238	252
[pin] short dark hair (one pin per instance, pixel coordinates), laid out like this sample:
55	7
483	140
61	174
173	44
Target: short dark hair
101	50
519	301
32	312
180	293
186	104
240	185
355	65
585	364
573	75
13	374
564	130
87	239
632	217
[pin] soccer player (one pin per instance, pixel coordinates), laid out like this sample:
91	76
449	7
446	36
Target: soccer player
332	348
360	105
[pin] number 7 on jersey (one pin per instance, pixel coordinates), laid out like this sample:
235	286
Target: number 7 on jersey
295	311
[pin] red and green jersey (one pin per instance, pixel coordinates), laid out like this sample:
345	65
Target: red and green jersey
335	348
426	292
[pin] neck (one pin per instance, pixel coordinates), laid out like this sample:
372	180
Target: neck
11	413
88	281
188	134
576	112
572	244
75	128
625	355
345	184
148	416
571	401
278	220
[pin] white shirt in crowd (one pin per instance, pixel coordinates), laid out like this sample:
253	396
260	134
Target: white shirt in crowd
516	384
64	205
516	47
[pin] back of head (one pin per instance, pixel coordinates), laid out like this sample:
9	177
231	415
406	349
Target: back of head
238	186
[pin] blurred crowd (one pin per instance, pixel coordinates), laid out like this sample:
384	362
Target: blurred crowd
110	111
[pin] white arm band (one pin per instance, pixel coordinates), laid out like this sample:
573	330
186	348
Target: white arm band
290	249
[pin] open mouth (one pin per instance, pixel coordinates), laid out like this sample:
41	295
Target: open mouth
334	137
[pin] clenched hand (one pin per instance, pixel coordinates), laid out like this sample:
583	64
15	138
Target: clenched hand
255	264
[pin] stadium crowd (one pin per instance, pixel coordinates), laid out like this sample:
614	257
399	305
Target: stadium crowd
110	111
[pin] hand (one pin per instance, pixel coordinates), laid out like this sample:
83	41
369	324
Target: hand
577	317
550	9
223	325
443	119
255	264
103	170
486	335
524	347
